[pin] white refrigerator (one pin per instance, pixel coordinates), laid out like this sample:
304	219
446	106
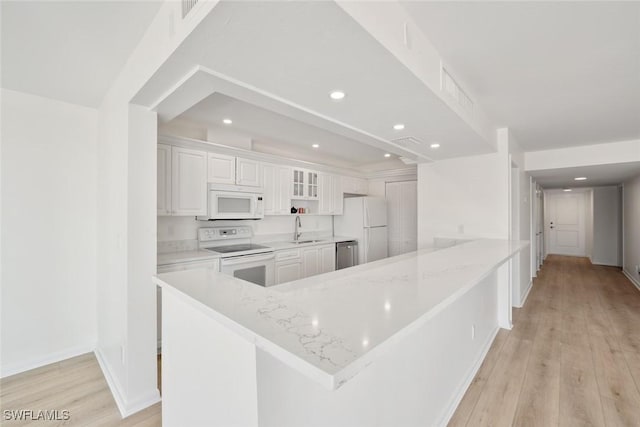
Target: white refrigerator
365	219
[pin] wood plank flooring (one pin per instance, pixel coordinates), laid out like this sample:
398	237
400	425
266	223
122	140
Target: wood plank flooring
571	359
76	385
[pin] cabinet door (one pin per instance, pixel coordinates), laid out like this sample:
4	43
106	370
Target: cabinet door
221	169
338	196
298	191
288	271
164	179
312	185
325	191
283	195
310	262
188	181
271	202
327	258
247	172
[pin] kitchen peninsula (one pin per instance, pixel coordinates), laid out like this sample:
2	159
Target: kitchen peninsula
392	342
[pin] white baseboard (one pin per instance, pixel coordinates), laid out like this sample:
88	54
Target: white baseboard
16	368
462	389
633	280
125	408
526	294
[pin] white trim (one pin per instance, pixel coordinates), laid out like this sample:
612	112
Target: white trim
606	264
526	294
124	407
462	389
55	357
633	280
409	172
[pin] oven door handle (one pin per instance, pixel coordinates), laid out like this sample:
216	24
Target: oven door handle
243	259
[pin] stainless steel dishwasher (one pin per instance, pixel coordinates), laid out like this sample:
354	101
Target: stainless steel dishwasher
346	254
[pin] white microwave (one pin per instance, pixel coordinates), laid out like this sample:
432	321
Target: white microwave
233	202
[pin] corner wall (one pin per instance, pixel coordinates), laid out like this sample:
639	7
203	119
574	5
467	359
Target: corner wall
631	228
48	231
607	226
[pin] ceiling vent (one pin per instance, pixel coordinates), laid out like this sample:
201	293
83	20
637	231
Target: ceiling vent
187	5
409	141
453	89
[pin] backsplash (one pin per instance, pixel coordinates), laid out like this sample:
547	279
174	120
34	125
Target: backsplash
179	232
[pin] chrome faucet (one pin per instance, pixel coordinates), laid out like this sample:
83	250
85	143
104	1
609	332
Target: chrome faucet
297	233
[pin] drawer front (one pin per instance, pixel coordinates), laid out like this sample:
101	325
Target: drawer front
179	266
287	254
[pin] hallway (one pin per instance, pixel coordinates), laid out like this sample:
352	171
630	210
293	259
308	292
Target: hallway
572	358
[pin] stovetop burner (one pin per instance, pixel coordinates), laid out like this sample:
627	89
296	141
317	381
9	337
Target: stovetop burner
236	248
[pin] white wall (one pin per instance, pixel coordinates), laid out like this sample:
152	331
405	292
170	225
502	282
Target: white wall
48	231
466	195
631	228
607	226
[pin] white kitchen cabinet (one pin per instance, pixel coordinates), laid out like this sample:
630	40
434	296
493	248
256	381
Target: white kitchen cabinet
353	185
327	258
164	179
318	259
188	181
248	172
288	271
221	169
305	184
277	189
310	261
330	195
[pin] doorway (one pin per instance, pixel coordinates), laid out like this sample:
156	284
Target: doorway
564	222
402	216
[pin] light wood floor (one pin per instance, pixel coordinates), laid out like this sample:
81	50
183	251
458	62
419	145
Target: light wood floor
571	359
76	385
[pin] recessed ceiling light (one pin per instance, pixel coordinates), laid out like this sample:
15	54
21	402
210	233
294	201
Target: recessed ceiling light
580	178
227	121
315	145
387	155
398	126
337	95
566	189
436	145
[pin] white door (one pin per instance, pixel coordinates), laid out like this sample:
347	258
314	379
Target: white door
310	262
164	179
375	244
327	258
565	223
247	172
402	216
221	169
288	271
375	212
188	181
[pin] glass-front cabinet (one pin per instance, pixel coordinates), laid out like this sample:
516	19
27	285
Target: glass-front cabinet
305	184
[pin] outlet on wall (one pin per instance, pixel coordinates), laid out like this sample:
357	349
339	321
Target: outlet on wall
122	353
473	332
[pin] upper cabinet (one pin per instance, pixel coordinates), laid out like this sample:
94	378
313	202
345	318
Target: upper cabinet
248	172
164	179
305	184
352	185
221	169
331	197
188	181
277	189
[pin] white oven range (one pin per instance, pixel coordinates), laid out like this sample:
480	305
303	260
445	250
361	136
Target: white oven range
238	256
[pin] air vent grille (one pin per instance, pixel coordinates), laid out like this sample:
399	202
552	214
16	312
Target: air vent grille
408	141
187	5
453	89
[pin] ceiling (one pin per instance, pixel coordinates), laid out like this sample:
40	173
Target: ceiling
280	135
558	74
611	174
70	51
298	52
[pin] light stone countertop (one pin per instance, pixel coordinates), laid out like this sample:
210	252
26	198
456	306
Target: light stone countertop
331	326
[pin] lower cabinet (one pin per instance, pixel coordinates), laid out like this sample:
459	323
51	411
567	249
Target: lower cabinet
294	264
